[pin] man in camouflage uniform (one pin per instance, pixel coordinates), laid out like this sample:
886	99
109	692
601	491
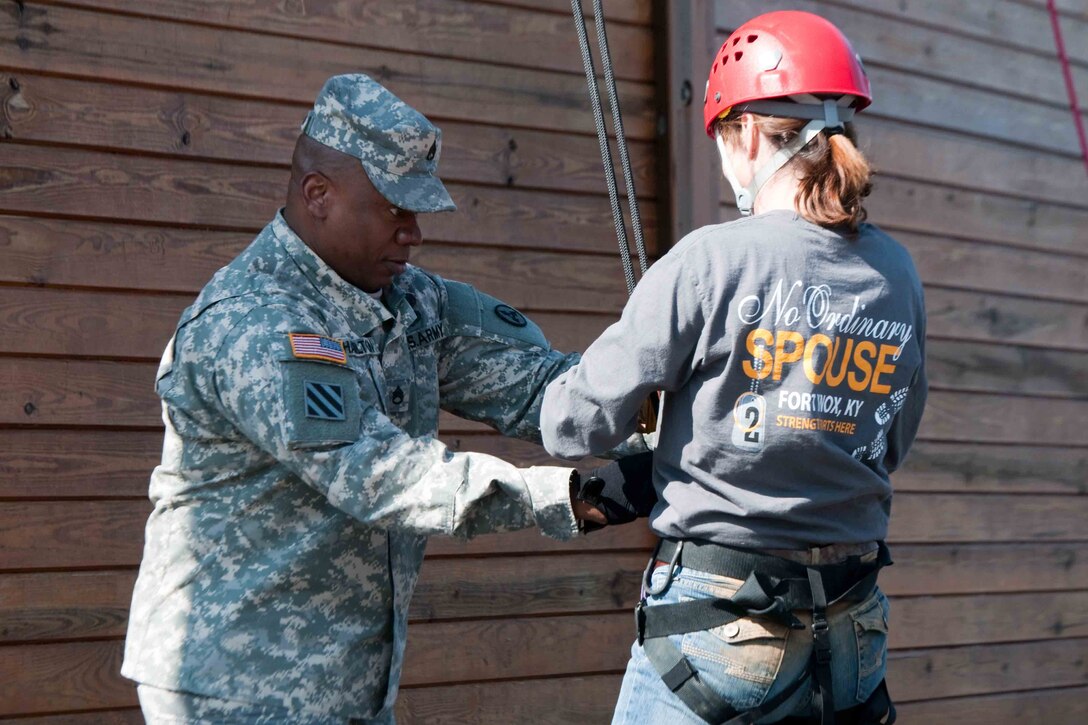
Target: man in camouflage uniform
300	476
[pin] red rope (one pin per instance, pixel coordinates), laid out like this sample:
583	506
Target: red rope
1078	120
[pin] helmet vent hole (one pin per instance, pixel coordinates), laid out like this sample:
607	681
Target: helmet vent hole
752	38
736	40
715	70
738	55
725	60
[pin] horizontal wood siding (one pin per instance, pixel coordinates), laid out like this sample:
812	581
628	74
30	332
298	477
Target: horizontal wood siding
980	175
144	142
142	146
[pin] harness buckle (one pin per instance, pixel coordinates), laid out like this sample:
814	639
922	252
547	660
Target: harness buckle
640	621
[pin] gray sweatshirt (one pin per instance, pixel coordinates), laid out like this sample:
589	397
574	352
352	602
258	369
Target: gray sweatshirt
792	361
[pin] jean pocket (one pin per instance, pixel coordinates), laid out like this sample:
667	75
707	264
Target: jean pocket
746	649
871	631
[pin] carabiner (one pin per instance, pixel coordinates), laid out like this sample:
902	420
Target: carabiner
647	578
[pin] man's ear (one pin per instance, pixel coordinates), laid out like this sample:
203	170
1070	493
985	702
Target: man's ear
316	194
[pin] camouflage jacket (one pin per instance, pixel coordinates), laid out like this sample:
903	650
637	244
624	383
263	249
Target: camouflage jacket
300	476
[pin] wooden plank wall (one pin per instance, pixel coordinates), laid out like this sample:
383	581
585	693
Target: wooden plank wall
142	144
980	176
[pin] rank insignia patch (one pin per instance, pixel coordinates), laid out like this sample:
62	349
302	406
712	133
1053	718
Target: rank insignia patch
324	401
317	347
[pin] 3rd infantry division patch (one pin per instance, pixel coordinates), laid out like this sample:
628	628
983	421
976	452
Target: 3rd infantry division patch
324	401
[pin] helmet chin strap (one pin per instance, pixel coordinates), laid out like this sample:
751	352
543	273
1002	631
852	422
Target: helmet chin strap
830	115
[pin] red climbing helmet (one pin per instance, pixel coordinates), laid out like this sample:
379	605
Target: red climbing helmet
782	54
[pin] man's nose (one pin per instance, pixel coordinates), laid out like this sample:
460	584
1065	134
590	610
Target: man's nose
409	233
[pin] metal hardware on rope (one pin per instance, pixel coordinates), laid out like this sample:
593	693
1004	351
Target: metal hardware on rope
602	138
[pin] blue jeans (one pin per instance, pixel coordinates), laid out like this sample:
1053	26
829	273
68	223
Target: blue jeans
749	660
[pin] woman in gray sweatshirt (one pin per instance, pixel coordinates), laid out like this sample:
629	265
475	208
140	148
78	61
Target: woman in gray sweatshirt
790	349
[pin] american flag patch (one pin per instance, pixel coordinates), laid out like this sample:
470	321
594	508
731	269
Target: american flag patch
318	347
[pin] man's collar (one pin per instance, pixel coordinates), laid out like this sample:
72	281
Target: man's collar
365	312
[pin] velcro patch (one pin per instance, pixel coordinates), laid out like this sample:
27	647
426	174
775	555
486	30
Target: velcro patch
324	401
317	347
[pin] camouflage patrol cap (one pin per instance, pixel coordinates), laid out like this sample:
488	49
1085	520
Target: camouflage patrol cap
397	145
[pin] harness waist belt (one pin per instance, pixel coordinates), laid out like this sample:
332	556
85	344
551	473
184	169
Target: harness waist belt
738	563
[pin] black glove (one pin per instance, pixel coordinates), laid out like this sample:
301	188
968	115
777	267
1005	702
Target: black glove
623	490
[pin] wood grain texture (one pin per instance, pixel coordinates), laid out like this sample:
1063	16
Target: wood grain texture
987	567
129	716
77	463
516	648
43	464
451	28
81	676
924	675
1001	22
1065	706
904	205
44	606
988	317
520	586
511	648
552	701
966	467
44	109
884	40
996	368
97	533
945	621
992	268
65	605
57	535
990	517
971	417
65	41
107	325
930	155
637	12
189	193
85	674
35	391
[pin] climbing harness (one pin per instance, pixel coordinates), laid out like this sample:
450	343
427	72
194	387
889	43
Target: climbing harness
773	588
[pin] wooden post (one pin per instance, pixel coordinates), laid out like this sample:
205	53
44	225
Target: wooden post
686	158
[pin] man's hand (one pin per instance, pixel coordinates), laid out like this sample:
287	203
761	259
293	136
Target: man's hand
590	515
617	493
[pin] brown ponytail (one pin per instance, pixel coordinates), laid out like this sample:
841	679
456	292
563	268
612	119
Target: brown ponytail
834	175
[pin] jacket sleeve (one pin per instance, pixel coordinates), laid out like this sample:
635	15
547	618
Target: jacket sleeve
594	406
495	363
309	415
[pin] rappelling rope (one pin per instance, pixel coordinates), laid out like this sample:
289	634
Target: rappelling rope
602	138
621	139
